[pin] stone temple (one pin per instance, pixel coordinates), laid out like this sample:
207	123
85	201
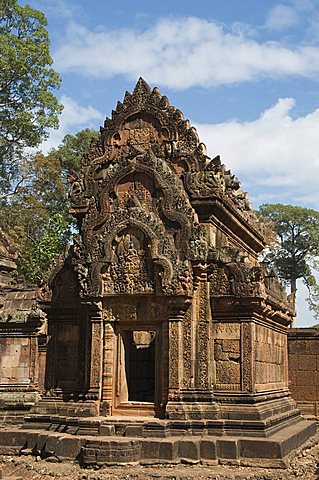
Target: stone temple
166	337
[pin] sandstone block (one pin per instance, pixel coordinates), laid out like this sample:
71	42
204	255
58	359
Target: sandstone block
307	392
208	450
259	449
305	378
228	372
70	447
168	449
150	449
227	449
189	449
106	430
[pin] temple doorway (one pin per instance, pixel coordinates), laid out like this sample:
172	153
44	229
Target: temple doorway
140	352
135	363
138	376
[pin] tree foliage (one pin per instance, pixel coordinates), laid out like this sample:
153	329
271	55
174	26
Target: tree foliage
295	253
33	187
36	215
28	106
72	149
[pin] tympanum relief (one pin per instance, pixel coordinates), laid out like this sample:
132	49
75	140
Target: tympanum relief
130	270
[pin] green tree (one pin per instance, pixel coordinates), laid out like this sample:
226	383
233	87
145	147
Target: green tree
294	255
72	149
27	105
35	215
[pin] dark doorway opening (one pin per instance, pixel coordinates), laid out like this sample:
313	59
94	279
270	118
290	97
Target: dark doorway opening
140	365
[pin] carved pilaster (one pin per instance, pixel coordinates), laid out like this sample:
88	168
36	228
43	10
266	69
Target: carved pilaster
51	358
204	340
34	362
96	355
175	335
188	350
165	363
248	352
108	368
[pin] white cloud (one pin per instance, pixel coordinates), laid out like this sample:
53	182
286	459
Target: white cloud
73	118
181	53
276	156
281	17
303	14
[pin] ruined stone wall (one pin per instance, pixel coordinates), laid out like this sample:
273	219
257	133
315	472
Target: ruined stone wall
22	327
303	350
20	371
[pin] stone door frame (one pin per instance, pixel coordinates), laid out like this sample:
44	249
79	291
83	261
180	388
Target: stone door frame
112	370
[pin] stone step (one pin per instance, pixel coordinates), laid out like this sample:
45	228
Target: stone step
150	427
112	449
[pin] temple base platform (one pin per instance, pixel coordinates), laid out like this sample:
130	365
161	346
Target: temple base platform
125	440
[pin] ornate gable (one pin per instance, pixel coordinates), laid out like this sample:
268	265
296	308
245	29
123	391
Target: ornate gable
139	196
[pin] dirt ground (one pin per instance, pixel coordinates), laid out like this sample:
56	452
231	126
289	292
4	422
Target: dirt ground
304	464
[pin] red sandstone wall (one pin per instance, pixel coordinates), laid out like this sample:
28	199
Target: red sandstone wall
303	358
14	361
270	359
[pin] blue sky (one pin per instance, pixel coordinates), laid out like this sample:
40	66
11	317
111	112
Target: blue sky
244	72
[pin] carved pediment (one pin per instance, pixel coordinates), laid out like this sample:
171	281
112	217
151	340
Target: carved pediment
142	175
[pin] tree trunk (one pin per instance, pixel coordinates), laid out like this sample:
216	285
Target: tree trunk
293	291
293	284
